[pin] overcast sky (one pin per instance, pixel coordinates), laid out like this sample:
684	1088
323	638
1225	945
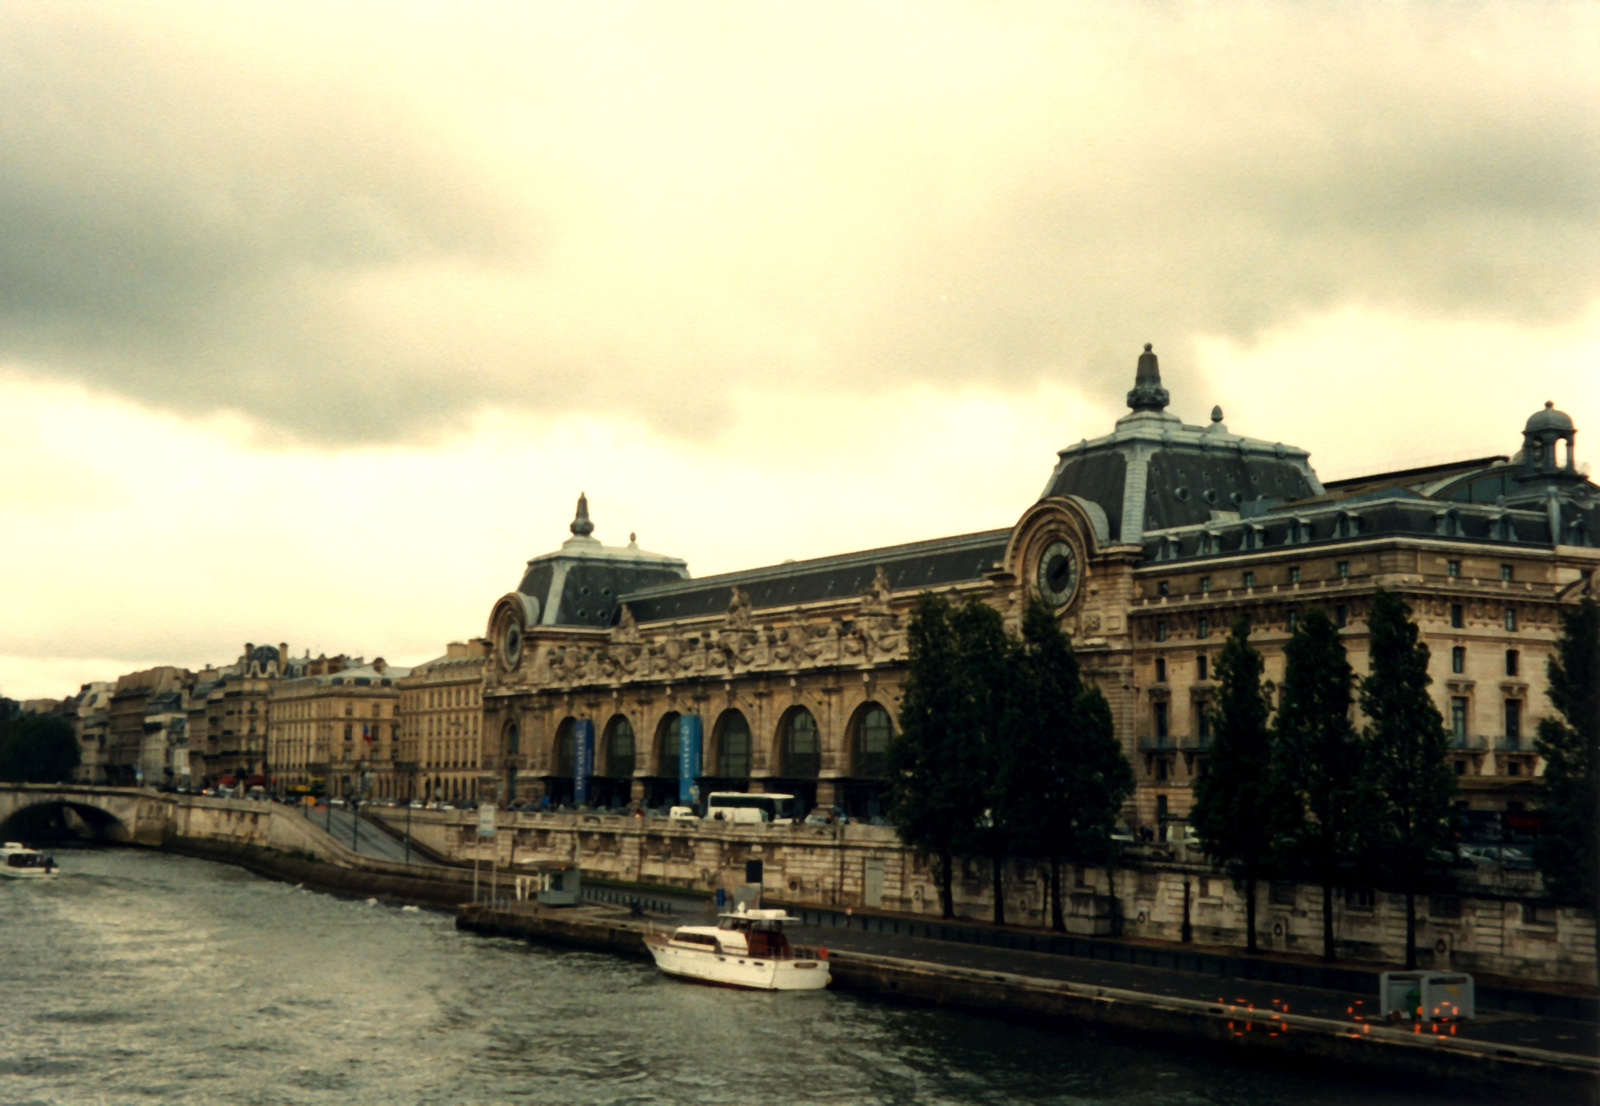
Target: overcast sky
315	319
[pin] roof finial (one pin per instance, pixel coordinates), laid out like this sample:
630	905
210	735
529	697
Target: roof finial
581	526
1216	413
1148	394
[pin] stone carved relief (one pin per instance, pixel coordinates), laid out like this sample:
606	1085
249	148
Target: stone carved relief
736	647
739	610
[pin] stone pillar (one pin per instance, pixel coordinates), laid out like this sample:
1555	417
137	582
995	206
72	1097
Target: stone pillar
827	793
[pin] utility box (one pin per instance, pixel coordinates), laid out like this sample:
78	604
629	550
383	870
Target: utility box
551	883
1427	996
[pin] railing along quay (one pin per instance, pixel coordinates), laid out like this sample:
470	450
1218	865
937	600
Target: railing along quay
1219	965
629	899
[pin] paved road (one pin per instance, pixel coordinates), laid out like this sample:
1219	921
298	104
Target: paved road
364	837
1554	1034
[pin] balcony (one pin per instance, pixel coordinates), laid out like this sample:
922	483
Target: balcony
1513	745
1195	744
1468	741
1165	743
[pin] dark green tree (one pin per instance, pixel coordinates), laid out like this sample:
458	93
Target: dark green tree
1099	780
985	667
1407	747
36	748
1320	761
1041	719
1238	809
937	785
1567	850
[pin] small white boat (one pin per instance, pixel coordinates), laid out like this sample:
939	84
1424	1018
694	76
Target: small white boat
17	861
746	948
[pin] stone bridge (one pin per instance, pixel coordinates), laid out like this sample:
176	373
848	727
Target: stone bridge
137	816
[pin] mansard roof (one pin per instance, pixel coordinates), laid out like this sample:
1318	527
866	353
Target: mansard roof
1154	471
580	584
913	566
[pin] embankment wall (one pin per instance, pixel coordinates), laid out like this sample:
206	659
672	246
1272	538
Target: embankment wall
1170	898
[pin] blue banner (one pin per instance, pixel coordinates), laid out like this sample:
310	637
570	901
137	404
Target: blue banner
582	759
688	758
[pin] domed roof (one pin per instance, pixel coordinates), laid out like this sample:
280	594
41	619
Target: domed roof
1549	419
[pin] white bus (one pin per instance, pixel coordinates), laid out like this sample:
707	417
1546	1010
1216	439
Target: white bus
738	806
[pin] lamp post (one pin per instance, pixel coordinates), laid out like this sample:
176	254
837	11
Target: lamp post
411	793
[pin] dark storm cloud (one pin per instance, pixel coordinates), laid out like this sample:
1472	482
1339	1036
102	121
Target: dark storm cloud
994	196
176	229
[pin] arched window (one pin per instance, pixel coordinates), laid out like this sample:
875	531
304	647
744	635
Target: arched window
619	747
667	746
566	747
733	745
513	739
802	749
873	730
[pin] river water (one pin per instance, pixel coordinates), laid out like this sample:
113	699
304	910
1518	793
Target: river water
147	977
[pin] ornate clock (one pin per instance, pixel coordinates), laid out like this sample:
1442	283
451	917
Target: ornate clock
1058	574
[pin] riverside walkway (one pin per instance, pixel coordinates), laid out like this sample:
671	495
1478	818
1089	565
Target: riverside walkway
1514	1020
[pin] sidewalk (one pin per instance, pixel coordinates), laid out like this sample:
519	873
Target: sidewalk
1348	992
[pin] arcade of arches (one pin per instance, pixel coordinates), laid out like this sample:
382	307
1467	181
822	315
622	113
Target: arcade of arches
733	756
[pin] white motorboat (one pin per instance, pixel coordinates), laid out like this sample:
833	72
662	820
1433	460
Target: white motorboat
746	948
17	861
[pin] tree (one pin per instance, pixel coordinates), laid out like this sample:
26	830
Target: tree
984	654
1567	851
1237	806
936	782
36	748
1407	746
1320	760
1073	777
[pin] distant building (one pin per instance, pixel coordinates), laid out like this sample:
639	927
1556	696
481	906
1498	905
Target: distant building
333	731
91	723
440	724
1148	542
129	757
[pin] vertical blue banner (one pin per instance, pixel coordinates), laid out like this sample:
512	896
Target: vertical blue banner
582	759
688	758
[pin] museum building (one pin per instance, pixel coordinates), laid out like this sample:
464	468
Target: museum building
615	676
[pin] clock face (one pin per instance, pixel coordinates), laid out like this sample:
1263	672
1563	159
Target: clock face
1058	574
513	644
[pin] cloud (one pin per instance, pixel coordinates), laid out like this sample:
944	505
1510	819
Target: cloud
366	224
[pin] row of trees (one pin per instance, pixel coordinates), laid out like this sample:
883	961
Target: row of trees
1304	793
35	748
1002	750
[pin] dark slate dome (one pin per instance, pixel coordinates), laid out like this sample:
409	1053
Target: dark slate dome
1549	420
1155	472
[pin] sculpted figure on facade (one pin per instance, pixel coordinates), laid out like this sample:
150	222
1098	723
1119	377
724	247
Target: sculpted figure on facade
738	615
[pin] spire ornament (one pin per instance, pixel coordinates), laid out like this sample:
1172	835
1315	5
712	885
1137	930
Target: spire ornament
1148	394
581	526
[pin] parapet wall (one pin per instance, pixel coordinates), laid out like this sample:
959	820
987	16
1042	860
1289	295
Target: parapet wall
1499	932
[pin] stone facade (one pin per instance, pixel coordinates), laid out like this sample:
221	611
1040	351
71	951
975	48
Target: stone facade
1149	542
334	732
440	715
153	692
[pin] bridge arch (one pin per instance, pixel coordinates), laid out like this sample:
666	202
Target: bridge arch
48	818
